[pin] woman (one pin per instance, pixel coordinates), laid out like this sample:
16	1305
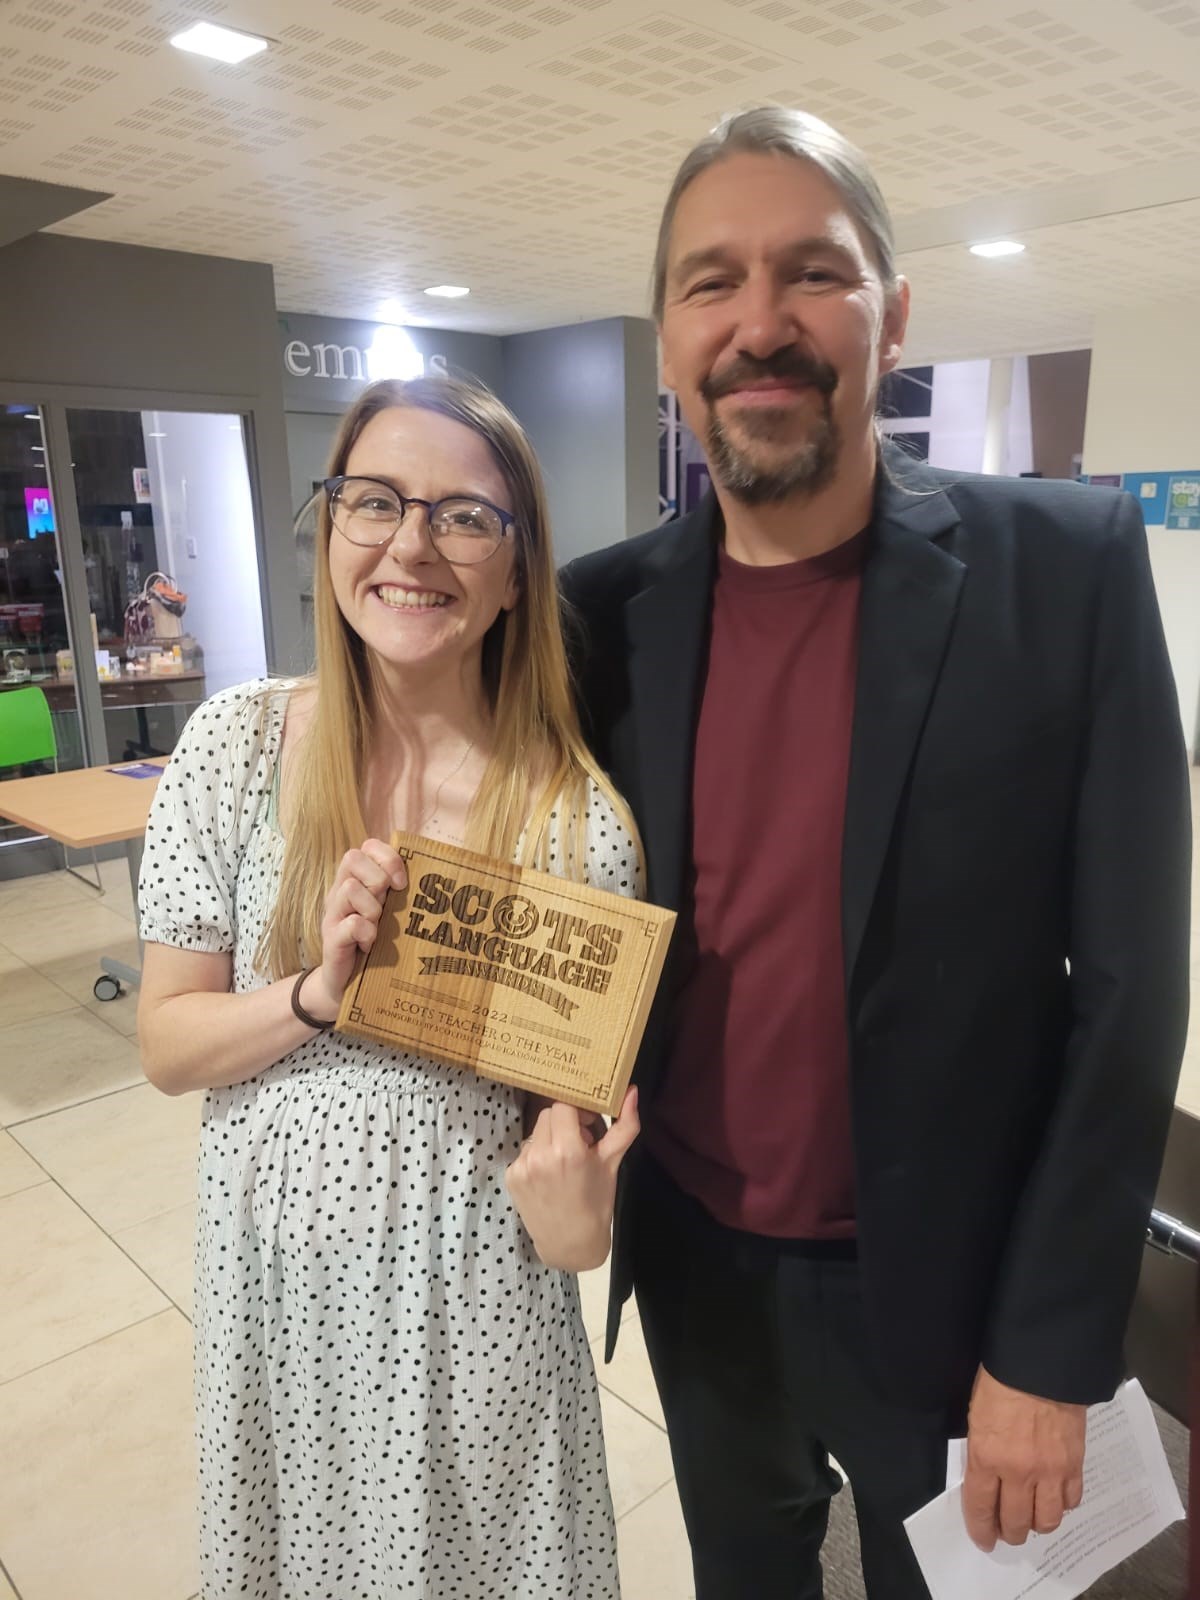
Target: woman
395	1394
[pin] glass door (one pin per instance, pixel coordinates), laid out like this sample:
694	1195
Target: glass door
35	644
171	562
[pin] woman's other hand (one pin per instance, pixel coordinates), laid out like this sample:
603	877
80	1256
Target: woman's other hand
350	920
564	1182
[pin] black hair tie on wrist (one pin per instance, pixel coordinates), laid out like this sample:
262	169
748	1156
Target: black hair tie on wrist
308	1020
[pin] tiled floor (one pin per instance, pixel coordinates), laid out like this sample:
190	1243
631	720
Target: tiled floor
96	1191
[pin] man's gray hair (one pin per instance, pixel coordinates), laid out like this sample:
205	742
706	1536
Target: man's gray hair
770	129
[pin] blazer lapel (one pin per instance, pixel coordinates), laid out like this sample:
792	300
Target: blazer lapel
910	597
668	636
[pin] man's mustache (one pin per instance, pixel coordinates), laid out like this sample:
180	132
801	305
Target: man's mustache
791	365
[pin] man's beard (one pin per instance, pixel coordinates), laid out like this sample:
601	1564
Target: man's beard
812	460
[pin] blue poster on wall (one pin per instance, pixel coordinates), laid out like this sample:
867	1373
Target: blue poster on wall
1183	500
1167	499
1149	489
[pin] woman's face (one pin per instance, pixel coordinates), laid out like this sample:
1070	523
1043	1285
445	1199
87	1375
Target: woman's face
408	604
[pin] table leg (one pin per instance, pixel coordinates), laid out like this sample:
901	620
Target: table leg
120	971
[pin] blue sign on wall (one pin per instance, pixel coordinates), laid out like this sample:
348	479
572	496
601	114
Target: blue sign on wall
1167	499
1149	489
1183	500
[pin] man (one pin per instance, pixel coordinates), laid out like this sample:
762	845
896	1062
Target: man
906	754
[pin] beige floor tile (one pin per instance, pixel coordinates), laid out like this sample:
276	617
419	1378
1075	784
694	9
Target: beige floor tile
593	1300
639	1457
76	976
118	892
120	1014
26	993
164	1248
48	1064
104	1503
74	929
628	1374
17	1169
42	891
63	1282
652	1549
125	1158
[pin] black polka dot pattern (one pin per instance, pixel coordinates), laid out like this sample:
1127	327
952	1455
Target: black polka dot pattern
395	1399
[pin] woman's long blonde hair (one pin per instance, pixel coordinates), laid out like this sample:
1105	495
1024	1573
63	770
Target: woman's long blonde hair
539	762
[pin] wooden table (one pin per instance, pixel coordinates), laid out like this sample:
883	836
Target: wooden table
82	809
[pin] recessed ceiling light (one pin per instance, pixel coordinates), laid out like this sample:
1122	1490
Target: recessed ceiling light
40	448
391	310
156	436
31	416
448	291
221	44
997	248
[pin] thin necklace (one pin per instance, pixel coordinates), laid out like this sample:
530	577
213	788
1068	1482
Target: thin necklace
431	814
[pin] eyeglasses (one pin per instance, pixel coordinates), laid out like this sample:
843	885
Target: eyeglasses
463	528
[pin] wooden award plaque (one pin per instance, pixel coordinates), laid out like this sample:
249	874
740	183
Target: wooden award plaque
521	976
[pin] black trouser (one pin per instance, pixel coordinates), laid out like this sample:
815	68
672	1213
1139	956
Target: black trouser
760	1355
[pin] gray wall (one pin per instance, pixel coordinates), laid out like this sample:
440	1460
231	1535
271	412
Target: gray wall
320	388
310	443
88	323
641	425
588	397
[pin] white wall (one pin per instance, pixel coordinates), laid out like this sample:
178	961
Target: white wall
1144	416
957	423
958	420
201	493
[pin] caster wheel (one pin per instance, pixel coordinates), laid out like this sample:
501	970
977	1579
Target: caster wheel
106	988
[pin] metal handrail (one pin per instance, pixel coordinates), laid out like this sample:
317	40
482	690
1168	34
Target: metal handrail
1172	1237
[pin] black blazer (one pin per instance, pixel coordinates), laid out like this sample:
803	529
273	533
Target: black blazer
1015	895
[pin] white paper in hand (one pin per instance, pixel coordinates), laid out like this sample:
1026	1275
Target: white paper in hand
1129	1497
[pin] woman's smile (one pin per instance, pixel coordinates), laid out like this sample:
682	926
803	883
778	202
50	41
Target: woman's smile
400	597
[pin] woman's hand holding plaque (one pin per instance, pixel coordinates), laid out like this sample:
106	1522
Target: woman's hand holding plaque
564	1182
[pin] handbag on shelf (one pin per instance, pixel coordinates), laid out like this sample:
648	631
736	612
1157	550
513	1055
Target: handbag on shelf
155	613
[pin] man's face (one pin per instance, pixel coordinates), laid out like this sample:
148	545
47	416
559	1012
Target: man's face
776	327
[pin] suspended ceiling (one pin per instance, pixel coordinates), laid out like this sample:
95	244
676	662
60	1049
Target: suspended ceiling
523	147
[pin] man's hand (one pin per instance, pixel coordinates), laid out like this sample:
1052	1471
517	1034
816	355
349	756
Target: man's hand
1024	1463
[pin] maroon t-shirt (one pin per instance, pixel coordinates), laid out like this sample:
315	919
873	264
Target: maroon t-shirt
753	1118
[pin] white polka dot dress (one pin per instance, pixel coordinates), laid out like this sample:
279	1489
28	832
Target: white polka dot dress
395	1399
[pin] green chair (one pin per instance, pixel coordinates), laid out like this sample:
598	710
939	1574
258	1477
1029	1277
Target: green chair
27	736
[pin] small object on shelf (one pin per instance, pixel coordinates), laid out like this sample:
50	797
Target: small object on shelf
16	667
167	663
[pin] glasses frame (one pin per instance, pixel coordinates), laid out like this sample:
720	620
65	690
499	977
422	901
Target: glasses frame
508	521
